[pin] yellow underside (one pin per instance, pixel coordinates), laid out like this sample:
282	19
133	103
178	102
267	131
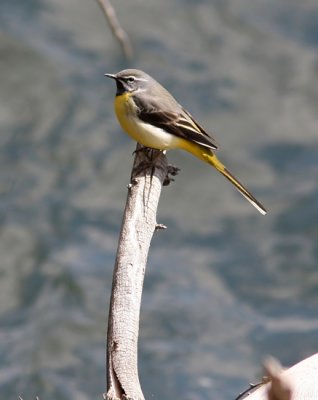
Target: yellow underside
140	131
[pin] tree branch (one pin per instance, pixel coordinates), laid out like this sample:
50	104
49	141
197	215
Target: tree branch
115	27
139	223
296	383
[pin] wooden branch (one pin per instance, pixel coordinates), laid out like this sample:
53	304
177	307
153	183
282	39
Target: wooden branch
299	382
115	27
138	226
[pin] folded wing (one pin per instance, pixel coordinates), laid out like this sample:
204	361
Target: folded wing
180	124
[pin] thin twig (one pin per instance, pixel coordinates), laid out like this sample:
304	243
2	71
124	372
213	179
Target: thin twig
117	30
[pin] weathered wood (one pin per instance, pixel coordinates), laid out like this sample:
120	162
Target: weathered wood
299	382
138	226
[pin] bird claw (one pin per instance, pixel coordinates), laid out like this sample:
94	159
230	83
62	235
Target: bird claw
172	171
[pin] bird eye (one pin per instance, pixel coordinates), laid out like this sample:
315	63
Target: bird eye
131	79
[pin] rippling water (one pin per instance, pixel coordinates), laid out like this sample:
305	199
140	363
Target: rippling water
224	286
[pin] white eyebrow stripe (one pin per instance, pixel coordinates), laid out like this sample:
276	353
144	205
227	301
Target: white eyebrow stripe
139	79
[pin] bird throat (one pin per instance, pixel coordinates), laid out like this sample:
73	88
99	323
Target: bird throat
120	88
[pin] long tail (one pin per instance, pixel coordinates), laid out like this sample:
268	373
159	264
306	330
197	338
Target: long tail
212	159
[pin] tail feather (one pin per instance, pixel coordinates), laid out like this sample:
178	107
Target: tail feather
244	192
209	157
214	161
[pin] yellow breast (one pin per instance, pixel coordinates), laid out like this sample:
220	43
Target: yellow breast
144	133
125	110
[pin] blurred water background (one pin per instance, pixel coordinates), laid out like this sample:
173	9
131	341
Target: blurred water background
225	286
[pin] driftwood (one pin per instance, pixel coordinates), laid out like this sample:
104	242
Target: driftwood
299	382
139	223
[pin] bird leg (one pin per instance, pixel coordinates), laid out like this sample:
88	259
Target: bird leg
148	159
151	156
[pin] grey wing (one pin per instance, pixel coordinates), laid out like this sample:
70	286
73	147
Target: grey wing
180	124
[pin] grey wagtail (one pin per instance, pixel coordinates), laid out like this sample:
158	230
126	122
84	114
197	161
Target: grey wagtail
151	116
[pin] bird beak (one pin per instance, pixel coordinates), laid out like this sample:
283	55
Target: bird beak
112	76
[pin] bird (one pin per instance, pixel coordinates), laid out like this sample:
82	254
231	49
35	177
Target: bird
149	114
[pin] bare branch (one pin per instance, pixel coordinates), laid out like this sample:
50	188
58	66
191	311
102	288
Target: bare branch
281	386
298	382
139	224
117	30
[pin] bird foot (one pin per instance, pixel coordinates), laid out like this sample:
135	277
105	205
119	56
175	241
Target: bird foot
172	171
151	156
